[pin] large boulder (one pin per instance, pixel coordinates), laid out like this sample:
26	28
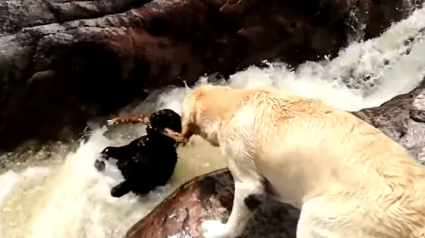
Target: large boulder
402	119
210	196
65	61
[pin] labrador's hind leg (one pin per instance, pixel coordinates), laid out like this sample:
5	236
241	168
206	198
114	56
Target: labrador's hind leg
325	217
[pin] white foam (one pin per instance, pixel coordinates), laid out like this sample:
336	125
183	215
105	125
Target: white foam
77	199
10	180
72	200
341	81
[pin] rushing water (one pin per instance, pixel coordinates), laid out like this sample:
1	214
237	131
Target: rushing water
57	193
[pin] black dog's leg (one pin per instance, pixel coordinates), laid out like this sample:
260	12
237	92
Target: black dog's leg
121	189
110	152
114	152
99	165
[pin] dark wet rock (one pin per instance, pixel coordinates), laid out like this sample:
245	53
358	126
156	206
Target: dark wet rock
63	62
417	113
211	196
402	119
18	14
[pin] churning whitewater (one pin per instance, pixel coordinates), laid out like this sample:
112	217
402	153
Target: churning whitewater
57	192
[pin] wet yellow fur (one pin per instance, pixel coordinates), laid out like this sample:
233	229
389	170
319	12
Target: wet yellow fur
348	178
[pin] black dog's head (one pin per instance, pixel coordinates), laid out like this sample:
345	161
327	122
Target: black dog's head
164	118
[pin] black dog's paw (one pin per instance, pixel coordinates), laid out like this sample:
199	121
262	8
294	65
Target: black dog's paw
121	189
100	165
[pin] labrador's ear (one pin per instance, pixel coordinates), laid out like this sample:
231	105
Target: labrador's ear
178	137
127	120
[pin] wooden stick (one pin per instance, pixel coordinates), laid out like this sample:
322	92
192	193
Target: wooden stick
129	120
178	137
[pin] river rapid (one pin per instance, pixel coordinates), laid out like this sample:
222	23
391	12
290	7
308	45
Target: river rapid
57	193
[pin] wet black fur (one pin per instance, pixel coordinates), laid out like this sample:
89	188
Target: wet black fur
146	162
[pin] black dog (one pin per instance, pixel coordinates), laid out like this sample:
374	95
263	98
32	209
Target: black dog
146	162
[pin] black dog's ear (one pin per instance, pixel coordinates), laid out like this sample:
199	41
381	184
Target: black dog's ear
166	118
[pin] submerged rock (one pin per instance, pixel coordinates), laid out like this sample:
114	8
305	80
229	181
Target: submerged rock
211	196
65	61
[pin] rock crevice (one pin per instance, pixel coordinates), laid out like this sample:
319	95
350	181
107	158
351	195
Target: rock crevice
64	62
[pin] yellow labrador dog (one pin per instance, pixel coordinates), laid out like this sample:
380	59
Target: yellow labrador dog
347	177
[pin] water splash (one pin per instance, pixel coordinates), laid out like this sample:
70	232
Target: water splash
69	198
365	74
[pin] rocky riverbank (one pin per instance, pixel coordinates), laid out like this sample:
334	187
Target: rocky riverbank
63	62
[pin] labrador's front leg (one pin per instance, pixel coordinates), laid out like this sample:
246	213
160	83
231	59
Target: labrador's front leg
248	189
241	212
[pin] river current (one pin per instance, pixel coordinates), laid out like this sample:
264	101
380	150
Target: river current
57	193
